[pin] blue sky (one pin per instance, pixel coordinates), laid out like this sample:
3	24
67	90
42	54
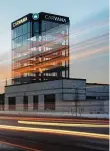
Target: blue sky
77	10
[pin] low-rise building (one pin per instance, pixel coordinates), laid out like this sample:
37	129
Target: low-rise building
64	95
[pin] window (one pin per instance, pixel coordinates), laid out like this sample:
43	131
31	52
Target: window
12	103
49	102
25	103
2	102
90	97
35	102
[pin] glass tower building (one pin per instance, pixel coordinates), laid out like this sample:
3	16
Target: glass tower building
40	48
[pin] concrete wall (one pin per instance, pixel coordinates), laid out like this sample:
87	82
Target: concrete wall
63	89
70	96
101	91
106	107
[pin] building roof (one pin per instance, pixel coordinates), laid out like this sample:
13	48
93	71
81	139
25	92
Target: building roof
47	81
97	84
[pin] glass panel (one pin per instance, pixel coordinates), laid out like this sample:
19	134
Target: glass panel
28	37
12	34
25	38
20	35
20	41
46	25
20	30
12	44
17	42
43	26
28	27
36	27
17	34
25	28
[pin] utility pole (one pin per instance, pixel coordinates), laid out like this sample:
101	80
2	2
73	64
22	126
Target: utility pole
76	99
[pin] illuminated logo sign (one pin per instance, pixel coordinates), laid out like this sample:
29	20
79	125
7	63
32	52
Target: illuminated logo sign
55	18
35	16
20	21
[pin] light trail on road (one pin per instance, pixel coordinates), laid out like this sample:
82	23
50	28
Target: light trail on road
18	146
55	131
62	124
53	119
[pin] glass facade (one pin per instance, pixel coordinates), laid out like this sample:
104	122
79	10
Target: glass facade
56	37
40	51
20	38
47	25
20	35
35	28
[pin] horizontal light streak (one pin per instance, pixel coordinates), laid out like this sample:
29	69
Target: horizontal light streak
86	30
63	36
90	25
48	44
18	146
58	60
41	65
40	54
94	41
91	40
50	53
55	131
91	45
62	124
87	53
77	32
55	119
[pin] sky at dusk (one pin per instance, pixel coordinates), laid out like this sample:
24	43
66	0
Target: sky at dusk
88	18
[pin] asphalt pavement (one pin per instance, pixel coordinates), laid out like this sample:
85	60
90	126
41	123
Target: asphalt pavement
42	140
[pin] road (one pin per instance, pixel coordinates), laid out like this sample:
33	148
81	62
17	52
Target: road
49	134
